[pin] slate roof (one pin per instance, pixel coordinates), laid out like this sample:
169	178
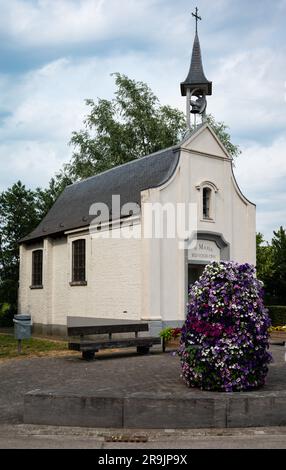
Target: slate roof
196	75
71	210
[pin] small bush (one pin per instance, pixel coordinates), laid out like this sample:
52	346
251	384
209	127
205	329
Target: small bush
277	328
277	314
225	337
6	315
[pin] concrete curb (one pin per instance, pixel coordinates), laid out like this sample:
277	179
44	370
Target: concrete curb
157	411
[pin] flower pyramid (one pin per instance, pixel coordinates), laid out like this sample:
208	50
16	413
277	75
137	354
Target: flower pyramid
224	342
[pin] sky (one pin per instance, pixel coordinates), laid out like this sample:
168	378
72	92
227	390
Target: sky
54	54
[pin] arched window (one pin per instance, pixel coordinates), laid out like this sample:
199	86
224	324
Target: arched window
37	268
207	200
78	261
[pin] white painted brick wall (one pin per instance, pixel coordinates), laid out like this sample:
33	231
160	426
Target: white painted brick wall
113	281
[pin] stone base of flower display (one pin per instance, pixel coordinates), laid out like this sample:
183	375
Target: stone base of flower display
156	410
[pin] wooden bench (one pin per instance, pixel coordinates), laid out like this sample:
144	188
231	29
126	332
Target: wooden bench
77	326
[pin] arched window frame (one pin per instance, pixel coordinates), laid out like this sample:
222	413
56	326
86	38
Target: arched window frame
212	200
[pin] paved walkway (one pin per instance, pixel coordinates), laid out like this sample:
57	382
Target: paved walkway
50	437
112	375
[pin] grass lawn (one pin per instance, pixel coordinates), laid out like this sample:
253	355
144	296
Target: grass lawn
30	347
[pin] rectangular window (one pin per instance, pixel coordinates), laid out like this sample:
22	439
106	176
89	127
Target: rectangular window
78	261
37	268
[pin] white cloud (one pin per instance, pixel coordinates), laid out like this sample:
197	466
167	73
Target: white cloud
31	24
44	107
31	161
50	21
261	174
249	90
53	22
261	169
270	221
47	104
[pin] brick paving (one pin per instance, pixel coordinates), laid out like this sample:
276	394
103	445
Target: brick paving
117	374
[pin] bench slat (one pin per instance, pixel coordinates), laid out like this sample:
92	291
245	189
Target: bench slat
104	329
106	344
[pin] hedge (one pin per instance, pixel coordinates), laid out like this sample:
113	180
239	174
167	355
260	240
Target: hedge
277	314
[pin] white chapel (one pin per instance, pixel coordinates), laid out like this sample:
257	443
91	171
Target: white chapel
67	269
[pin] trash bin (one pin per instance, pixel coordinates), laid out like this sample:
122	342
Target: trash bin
22	326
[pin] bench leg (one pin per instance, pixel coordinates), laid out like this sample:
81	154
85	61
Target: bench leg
88	355
143	349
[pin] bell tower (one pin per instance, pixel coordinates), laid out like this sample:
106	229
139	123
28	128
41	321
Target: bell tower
196	86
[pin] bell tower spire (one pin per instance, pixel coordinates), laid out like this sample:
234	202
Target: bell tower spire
196	84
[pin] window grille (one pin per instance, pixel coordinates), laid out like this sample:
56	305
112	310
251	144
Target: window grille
206	203
78	261
37	268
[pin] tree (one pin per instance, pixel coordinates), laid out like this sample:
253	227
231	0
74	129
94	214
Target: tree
271	266
130	126
279	261
221	130
20	212
264	263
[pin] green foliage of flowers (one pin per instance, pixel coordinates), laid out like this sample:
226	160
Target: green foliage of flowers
170	333
225	337
277	328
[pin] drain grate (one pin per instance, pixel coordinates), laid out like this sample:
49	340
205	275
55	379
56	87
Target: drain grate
126	438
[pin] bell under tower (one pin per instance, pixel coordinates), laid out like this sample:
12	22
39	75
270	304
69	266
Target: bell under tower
196	86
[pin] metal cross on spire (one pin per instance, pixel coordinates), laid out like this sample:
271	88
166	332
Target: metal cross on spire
197	18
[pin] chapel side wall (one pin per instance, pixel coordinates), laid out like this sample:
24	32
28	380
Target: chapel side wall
113	274
60	278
